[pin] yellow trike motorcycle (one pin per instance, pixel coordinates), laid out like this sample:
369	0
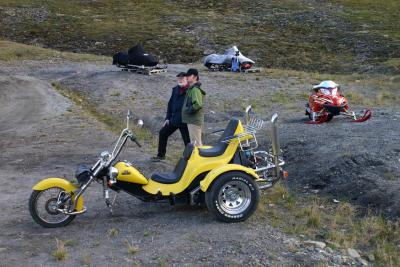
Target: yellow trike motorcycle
226	177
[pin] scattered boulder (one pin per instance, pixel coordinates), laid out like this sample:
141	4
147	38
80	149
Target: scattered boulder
329	250
371	257
317	244
353	253
363	262
332	244
291	242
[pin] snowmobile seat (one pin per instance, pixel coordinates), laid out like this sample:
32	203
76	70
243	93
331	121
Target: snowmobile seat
220	148
176	174
120	58
138	56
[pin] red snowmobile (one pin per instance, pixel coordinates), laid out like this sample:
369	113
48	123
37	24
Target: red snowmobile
327	101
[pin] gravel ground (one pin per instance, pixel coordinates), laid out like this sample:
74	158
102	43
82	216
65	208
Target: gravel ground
44	134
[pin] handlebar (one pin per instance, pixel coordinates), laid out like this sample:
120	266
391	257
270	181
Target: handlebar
133	139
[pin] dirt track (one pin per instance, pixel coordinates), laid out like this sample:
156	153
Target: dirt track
39	138
44	134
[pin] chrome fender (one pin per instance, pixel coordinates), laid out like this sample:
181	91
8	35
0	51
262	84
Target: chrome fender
212	175
60	183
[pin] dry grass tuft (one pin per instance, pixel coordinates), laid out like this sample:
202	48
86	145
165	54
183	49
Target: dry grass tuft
86	259
113	232
131	247
340	224
60	253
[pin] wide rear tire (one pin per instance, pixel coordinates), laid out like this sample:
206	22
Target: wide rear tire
42	208
233	197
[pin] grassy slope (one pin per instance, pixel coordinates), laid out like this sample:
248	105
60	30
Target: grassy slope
11	51
306	35
339	225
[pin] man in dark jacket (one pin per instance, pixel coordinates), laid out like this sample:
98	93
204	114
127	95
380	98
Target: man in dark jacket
173	119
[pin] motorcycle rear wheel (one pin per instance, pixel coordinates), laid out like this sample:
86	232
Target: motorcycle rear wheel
233	197
42	207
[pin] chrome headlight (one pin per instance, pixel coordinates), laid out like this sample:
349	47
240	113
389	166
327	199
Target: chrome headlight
113	172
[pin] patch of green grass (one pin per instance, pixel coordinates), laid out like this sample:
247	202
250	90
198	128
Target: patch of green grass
357	98
71	242
393	62
113	232
86	259
11	51
339	224
387	98
278	194
390	176
96	243
60	253
104	27
116	94
313	215
379	17
163	262
111	122
280	98
131	247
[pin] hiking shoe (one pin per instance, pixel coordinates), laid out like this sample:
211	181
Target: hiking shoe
157	158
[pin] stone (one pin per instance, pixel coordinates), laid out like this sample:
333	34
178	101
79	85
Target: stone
353	253
3	249
291	242
329	250
337	259
332	244
371	257
317	244
363	262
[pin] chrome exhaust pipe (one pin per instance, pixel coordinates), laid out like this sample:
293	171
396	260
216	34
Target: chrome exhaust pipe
247	114
275	143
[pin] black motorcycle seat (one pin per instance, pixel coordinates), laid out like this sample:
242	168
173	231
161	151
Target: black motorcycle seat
220	148
171	177
176	174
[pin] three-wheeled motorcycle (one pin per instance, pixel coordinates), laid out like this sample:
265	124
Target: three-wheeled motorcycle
226	177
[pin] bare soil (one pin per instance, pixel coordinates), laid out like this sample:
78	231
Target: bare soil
44	134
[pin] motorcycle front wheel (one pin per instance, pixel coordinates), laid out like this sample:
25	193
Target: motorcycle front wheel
43	208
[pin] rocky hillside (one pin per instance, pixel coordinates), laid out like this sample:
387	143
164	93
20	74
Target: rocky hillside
338	36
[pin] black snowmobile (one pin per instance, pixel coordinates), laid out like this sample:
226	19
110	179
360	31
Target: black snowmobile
138	60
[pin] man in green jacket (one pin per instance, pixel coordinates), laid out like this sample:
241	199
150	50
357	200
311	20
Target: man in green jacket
192	110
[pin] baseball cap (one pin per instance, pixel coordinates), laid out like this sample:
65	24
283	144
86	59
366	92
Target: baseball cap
181	74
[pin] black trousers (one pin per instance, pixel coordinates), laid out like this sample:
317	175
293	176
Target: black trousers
166	131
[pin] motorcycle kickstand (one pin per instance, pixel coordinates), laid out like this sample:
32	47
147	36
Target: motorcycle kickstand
109	204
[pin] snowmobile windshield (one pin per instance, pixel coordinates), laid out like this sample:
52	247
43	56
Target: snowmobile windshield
328	91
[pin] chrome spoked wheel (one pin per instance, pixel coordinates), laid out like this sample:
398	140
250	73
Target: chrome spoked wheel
44	208
234	197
